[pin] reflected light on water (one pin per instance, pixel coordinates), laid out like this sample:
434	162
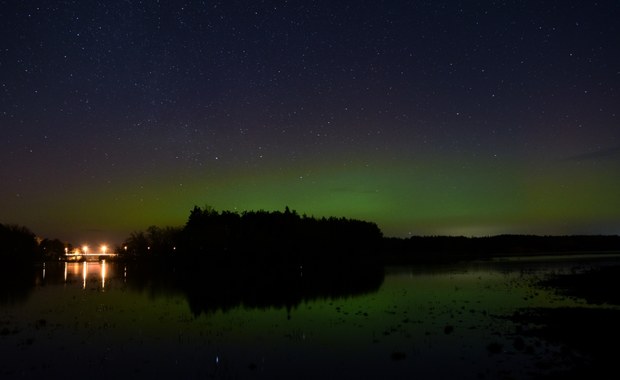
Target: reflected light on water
103	270
84	272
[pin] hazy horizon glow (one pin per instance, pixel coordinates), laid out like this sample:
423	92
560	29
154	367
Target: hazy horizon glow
425	117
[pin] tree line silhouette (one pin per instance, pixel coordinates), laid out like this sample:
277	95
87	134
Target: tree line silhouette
287	237
257	236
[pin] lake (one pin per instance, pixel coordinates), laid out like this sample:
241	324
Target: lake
118	320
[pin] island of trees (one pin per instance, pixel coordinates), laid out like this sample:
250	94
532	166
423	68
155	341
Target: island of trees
283	237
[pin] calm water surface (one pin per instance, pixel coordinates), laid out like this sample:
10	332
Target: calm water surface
105	320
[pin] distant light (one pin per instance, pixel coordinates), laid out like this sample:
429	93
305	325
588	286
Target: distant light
85	249
104	248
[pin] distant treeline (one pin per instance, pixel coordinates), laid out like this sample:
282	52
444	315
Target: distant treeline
434	248
257	235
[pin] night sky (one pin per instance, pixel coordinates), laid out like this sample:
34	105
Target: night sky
427	117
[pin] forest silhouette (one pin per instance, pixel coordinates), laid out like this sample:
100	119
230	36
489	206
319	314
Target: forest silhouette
258	237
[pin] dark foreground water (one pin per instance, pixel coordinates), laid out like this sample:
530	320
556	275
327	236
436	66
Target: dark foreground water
112	320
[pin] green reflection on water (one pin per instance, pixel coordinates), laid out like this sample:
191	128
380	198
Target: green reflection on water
110	316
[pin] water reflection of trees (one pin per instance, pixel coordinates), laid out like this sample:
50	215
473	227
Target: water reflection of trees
209	288
16	282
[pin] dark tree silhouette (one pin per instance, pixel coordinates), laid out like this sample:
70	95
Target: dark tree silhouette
261	237
18	253
275	236
156	242
17	244
52	249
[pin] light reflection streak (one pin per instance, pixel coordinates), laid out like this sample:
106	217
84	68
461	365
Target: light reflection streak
99	271
103	273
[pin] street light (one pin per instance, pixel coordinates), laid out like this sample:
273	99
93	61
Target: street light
103	249
85	249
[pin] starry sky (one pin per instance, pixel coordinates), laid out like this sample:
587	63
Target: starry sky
426	117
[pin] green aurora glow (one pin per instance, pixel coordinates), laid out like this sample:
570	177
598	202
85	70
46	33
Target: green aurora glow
483	198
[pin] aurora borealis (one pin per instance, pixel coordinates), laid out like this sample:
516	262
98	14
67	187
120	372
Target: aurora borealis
426	117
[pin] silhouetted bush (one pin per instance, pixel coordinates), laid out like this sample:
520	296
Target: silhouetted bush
17	244
52	249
